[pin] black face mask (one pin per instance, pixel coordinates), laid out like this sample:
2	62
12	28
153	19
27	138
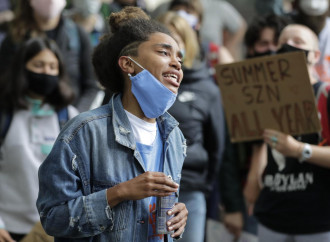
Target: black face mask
40	83
289	48
259	54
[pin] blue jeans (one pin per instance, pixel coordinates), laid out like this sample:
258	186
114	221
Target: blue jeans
196	205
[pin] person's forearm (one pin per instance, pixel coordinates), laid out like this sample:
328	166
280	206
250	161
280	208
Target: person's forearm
320	155
224	56
289	146
234	41
258	164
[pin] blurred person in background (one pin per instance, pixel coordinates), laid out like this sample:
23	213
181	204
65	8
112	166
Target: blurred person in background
6	15
221	24
117	5
261	39
290	177
44	18
314	14
86	13
34	105
266	7
192	11
198	108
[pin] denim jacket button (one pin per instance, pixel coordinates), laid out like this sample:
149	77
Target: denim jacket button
102	228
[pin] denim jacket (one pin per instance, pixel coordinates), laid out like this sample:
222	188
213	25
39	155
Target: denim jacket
95	151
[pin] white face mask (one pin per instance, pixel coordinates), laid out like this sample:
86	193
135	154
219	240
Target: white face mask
190	18
87	7
314	7
48	9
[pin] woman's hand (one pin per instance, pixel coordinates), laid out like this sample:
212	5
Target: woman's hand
179	221
5	237
148	184
234	223
283	143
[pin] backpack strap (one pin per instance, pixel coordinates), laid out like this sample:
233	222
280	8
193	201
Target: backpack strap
5	121
322	96
71	29
63	117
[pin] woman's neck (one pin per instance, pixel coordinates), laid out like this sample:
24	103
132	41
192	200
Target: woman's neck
312	75
35	96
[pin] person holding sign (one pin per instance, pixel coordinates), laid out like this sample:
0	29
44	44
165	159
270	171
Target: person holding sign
108	166
294	198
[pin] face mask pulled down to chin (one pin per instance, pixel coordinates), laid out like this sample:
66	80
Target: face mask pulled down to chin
153	97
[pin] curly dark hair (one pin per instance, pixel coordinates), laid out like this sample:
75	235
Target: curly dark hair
14	84
259	23
127	34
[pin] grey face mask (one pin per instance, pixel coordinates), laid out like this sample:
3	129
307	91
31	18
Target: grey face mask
87	7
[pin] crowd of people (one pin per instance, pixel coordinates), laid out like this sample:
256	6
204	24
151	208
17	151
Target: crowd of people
108	108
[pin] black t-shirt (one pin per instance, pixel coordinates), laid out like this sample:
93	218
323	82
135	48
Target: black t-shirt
296	196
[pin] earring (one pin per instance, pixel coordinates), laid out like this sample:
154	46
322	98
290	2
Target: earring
129	74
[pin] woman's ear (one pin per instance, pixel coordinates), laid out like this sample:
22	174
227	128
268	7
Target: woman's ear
313	57
126	65
317	56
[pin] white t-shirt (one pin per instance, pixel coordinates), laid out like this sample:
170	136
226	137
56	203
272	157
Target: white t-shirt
28	141
144	132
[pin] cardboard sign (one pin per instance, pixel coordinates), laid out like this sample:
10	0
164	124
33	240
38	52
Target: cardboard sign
268	92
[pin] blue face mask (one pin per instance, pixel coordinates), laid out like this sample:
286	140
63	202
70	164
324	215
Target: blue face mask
153	97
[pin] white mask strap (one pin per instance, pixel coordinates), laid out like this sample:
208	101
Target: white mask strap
135	62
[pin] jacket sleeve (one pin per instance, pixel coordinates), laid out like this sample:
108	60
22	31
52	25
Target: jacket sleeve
229	178
66	206
88	81
214	137
7	51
